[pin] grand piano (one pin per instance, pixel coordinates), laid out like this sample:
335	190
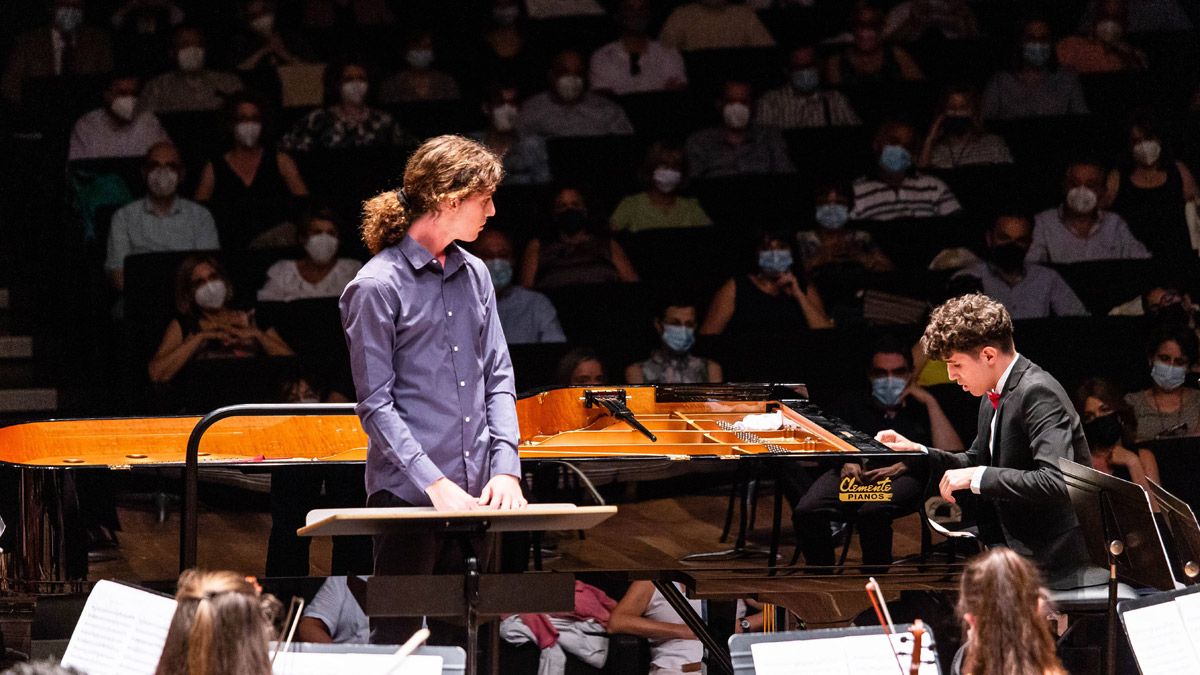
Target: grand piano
578	425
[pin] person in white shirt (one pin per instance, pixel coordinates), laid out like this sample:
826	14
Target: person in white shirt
333	616
320	273
119	129
634	63
644	612
1079	230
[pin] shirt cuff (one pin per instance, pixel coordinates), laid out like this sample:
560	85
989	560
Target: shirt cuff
977	479
423	472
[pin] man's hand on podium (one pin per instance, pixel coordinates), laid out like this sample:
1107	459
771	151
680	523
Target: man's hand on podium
503	493
447	496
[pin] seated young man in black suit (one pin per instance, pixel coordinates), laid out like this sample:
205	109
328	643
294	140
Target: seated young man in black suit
1026	422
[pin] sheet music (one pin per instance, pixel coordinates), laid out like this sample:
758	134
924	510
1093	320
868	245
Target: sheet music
322	663
1189	611
121	631
1160	640
848	655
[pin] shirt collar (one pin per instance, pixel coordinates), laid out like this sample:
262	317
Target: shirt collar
1007	372
418	256
149	208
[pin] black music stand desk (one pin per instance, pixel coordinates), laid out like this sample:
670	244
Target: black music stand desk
473	594
1185	533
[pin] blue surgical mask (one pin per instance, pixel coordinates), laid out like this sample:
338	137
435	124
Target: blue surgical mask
501	271
1036	54
678	339
887	390
832	216
1167	376
895	159
806	79
775	261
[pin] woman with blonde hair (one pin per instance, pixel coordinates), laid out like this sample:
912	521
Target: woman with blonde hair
221	626
1004	612
430	364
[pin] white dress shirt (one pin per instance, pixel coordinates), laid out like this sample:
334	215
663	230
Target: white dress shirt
977	479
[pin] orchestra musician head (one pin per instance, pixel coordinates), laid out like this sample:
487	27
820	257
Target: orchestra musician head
221	626
449	177
973	334
1004	612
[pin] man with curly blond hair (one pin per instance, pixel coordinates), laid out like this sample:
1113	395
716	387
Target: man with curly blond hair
431	368
1026	422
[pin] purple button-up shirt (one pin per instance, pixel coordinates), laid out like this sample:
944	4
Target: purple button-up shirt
431	370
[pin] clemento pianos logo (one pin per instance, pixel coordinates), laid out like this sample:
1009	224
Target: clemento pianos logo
852	490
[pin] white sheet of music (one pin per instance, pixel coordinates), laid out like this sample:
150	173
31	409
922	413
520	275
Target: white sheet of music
317	663
1189	609
121	631
1160	640
848	655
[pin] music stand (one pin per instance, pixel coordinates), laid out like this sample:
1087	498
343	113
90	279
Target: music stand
741	646
1121	533
454	659
1185	533
472	594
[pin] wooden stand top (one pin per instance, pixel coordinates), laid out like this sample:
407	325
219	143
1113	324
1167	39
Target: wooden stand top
536	517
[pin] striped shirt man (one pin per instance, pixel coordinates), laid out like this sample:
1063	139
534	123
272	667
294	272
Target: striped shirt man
918	196
788	109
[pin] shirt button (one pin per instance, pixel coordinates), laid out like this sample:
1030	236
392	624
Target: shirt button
467	419
454	348
462	383
467	454
449	313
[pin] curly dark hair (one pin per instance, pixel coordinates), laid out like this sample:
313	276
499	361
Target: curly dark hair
444	169
967	324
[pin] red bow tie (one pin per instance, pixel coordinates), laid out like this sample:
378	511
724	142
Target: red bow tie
994	398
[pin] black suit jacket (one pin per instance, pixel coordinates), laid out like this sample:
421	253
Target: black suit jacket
1025	504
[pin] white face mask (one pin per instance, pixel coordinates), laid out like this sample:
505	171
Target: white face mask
321	247
190	59
211	295
736	115
1082	199
162	181
263	25
667	179
354	92
1147	152
124	107
569	87
504	117
67	19
247	133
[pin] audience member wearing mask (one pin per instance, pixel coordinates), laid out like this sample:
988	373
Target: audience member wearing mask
958	137
507	52
898	190
348	122
142	30
419	81
770	299
1168	409
912	20
1104	48
714	24
673	362
334	616
119	129
634	63
1111	430
660	206
527	317
160	221
205	327
574	252
63	48
1036	86
1150	188
192	85
262	46
581	367
643	611
736	147
1163	303
869	60
831	244
1079	230
1027	290
250	188
568	109
347	14
894	402
526	161
803	103
296	490
1148	16
320	273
